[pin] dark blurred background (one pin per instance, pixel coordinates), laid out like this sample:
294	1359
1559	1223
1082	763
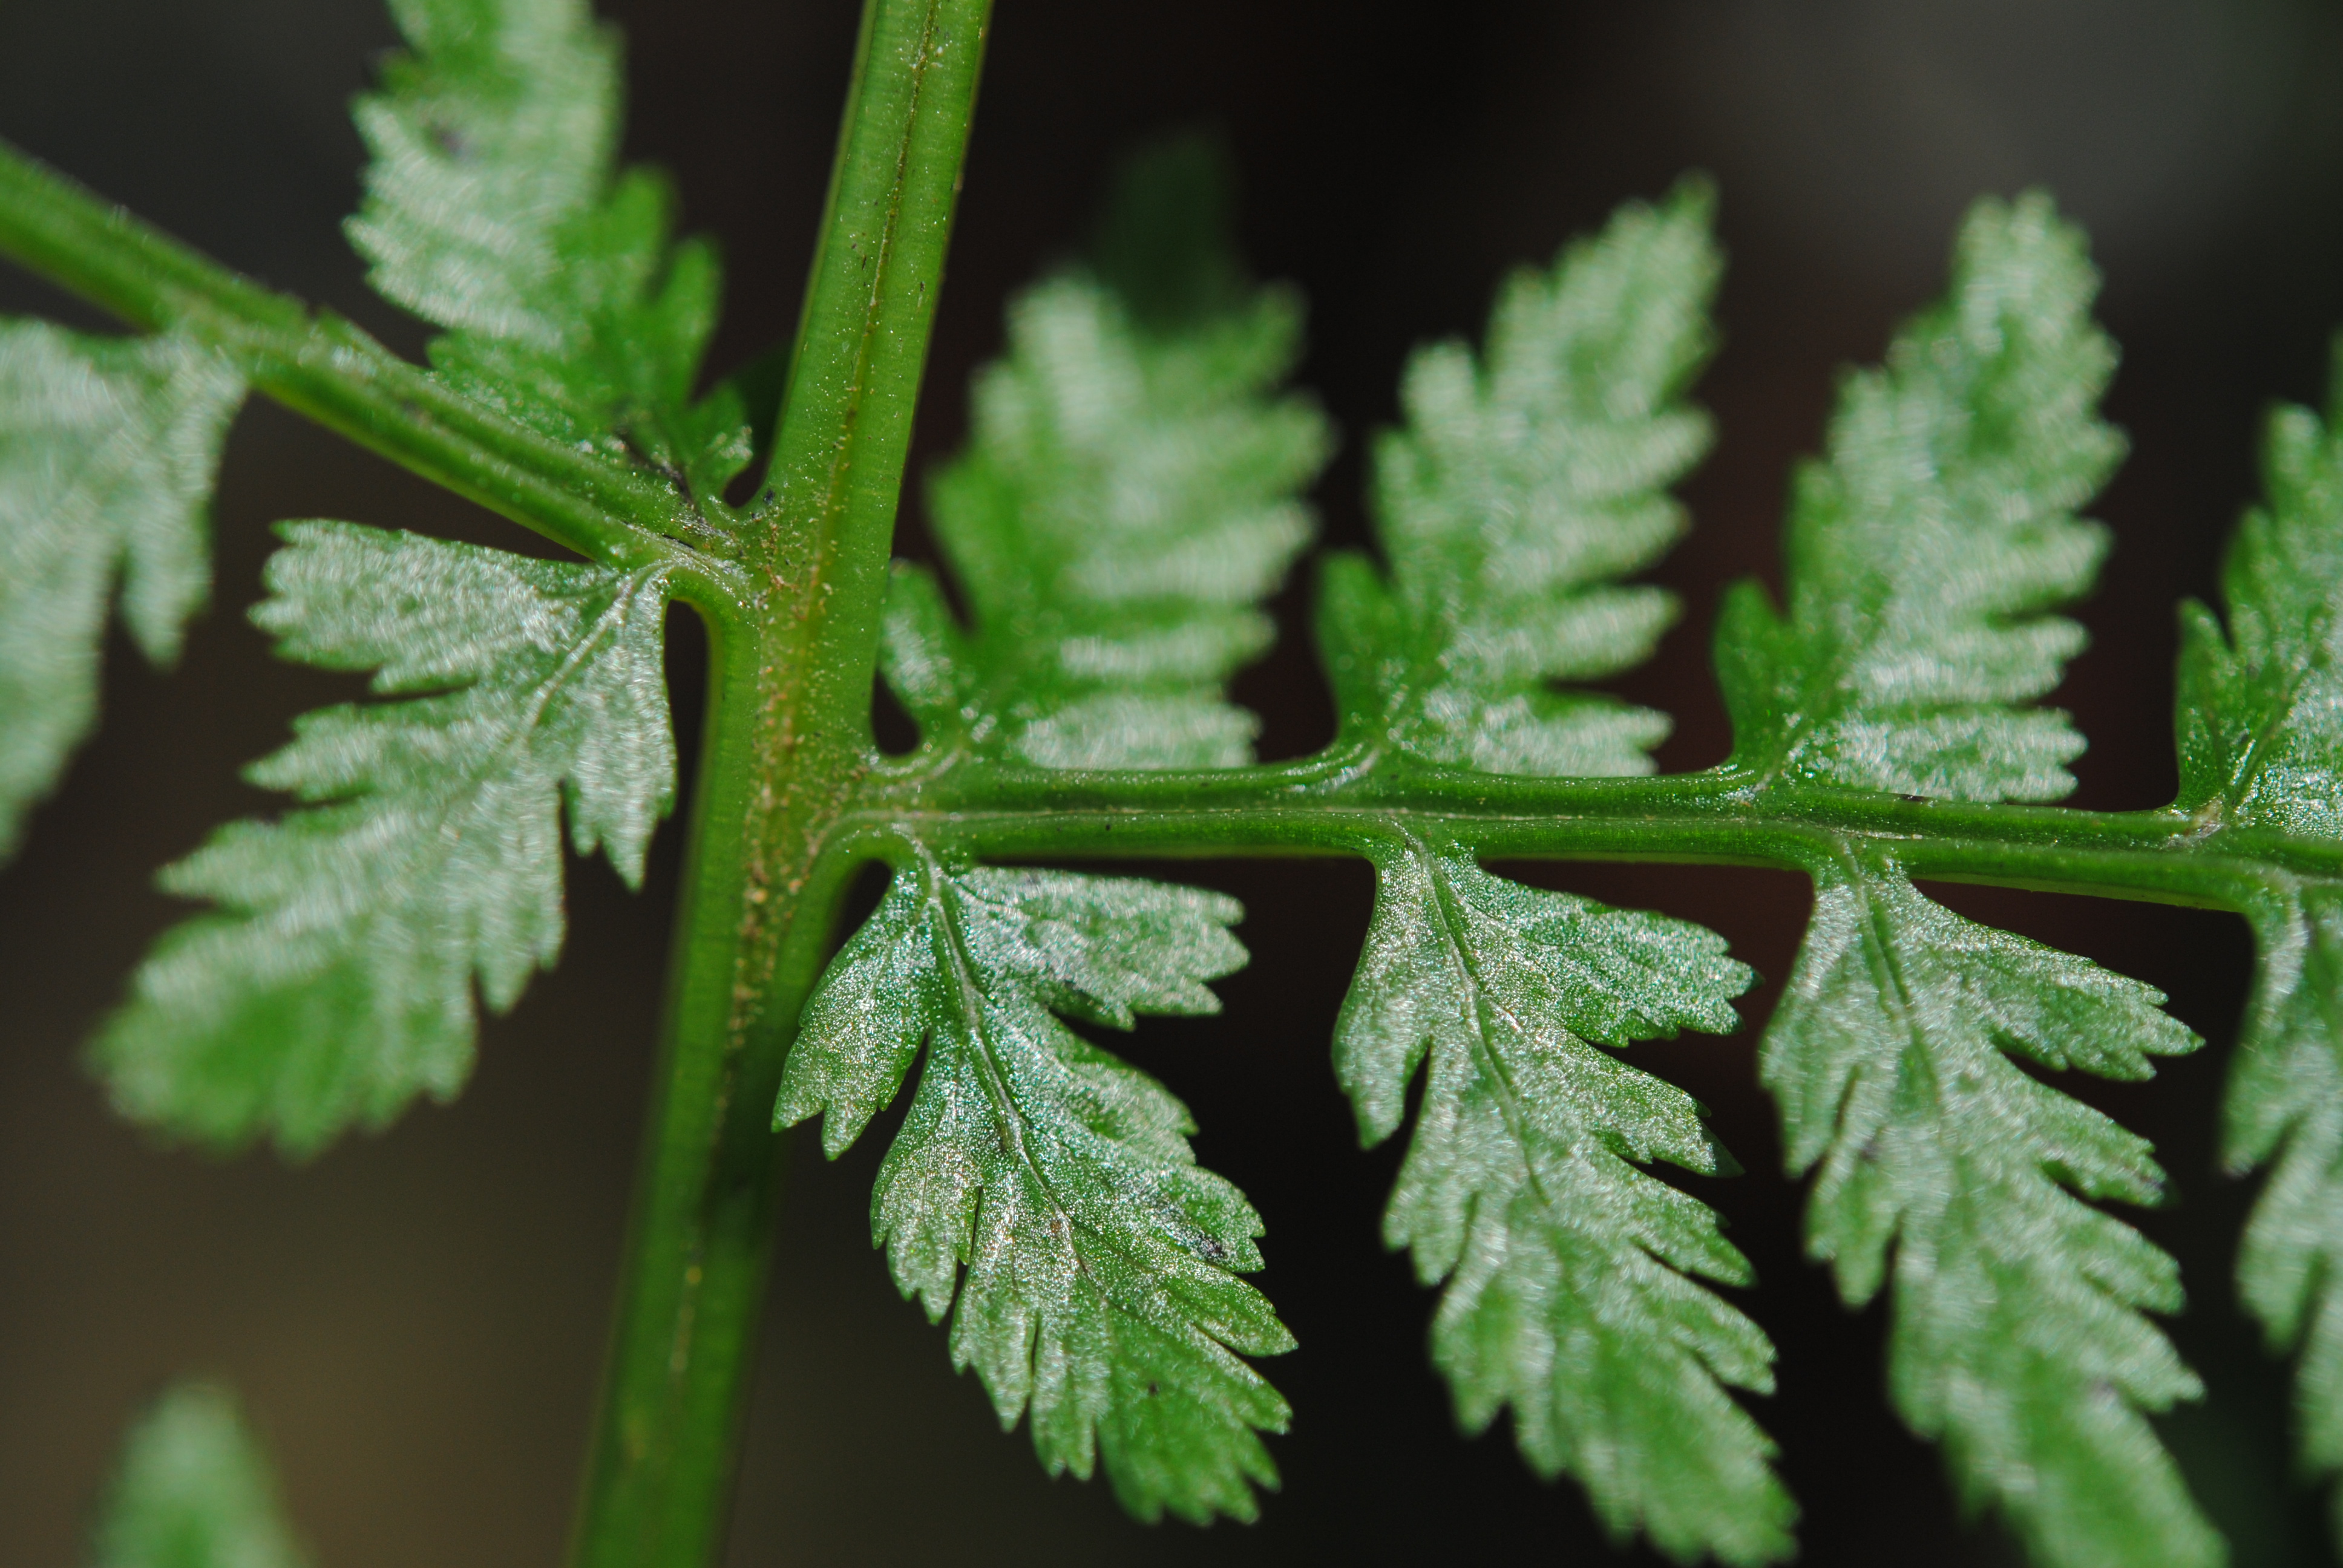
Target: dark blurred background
414	1319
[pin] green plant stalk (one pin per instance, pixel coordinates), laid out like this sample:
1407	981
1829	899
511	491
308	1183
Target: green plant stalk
788	737
1342	800
324	367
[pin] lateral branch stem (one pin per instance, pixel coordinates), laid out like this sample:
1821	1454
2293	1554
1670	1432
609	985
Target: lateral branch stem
1336	804
328	369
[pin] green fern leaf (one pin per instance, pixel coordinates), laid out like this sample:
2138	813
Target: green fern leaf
337	982
1519	493
2019	1340
1128	500
1924	551
194	1491
2260	723
108	449
2285	1109
2261	749
491	210
1100	1288
1571	1291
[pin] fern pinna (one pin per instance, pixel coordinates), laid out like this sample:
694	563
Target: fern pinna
1135	491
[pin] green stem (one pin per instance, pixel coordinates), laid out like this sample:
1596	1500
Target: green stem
788	749
324	367
1334	803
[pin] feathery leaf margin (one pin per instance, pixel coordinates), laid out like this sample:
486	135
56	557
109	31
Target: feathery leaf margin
1573	1289
1927	550
1526	483
1041	1191
2019	1340
109	448
336	981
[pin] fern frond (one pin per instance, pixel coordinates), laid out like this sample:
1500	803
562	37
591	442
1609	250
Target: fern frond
1101	1291
2019	1340
2285	1110
1131	495
492	210
336	983
1523	489
1927	548
1572	1290
2261	711
194	1491
2260	722
108	450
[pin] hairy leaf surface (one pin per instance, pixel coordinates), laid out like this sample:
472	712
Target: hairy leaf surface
1572	1293
492	210
108	449
335	982
1523	489
1099	1291
1926	551
2261	748
2019	1340
2262	710
194	1491
1131	495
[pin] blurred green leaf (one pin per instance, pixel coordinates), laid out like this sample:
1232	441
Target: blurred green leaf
2260	722
194	1491
1522	487
1927	548
494	209
1130	496
108	451
336	983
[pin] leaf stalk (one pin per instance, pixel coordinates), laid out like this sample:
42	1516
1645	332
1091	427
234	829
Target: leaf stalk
1337	802
788	743
324	367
